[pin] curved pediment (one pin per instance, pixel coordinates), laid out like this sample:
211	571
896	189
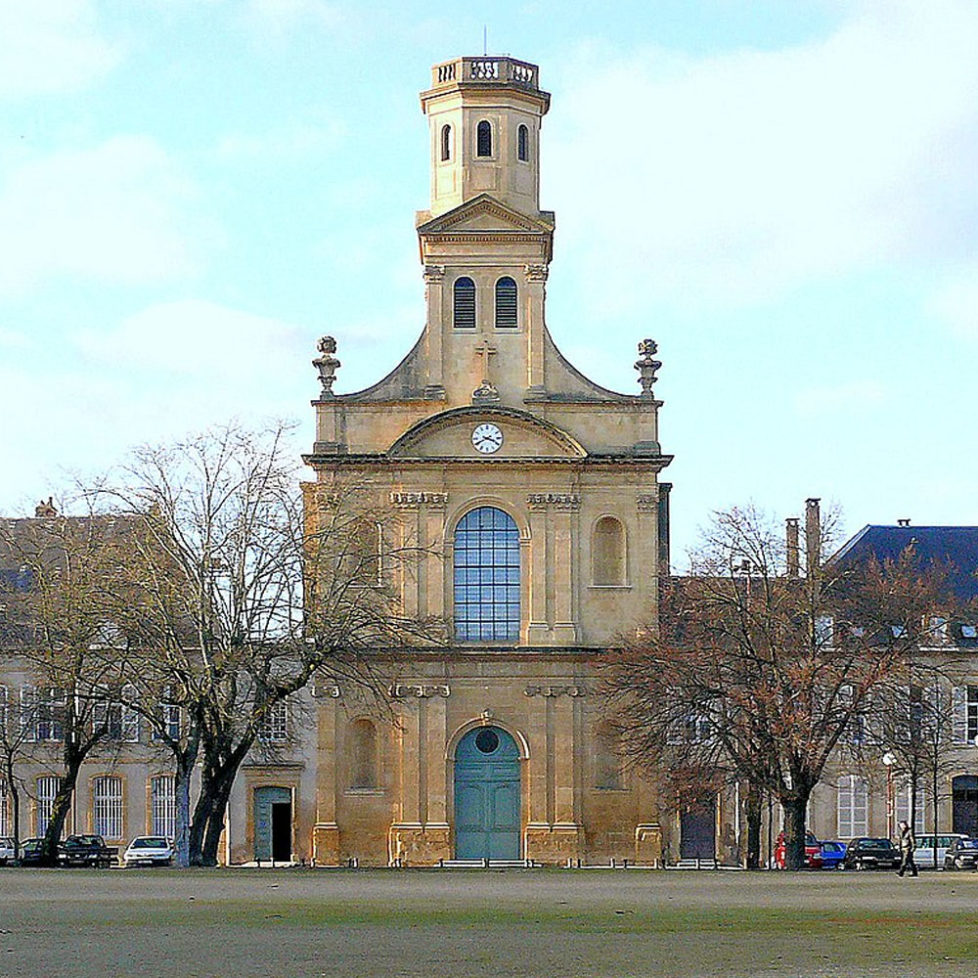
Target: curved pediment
449	435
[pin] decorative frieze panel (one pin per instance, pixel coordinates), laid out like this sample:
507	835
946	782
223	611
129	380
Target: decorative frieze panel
434	273
648	502
535	273
557	500
555	691
412	500
419	690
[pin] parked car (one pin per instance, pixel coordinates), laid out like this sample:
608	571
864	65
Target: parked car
833	853
8	851
30	852
923	855
962	854
867	853
813	852
148	850
86	850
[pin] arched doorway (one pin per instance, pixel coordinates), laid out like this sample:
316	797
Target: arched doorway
964	804
273	824
487	795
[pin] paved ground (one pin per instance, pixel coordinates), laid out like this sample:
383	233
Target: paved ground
479	923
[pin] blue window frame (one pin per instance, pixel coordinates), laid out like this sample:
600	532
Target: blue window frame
487	577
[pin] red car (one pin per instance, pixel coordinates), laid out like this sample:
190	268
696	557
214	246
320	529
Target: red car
813	852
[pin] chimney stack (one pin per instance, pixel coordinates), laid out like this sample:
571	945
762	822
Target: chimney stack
794	550
813	535
45	510
904	522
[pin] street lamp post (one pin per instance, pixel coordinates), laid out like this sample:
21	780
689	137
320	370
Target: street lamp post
889	759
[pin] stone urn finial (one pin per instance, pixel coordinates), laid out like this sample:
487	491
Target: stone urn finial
647	365
326	364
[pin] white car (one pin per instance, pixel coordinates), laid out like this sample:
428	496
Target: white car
148	850
8	853
923	855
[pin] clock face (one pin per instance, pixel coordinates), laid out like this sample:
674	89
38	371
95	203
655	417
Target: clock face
487	438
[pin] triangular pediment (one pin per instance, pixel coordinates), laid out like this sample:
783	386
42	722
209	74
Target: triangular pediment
485	213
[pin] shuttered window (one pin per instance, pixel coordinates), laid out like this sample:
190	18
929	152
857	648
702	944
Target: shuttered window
506	303
483	141
464	304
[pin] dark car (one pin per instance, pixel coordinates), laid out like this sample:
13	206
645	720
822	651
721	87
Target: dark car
833	854
962	854
867	853
30	852
86	850
813	852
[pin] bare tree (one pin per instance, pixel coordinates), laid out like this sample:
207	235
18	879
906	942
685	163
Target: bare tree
773	668
244	597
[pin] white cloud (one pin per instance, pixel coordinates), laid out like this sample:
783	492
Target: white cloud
113	213
741	176
856	398
49	46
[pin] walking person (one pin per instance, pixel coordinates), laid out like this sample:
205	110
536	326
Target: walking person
908	842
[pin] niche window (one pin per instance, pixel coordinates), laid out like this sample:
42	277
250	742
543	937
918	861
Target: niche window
483	139
446	142
506	303
464	303
523	144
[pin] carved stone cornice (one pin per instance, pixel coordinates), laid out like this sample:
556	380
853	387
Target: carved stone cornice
558	500
420	690
412	500
555	691
647	502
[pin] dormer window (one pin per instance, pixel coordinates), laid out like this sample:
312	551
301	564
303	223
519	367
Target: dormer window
463	308
446	142
506	303
523	144
483	139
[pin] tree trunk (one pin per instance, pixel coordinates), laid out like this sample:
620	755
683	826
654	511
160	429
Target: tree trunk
215	820
794	829
181	830
753	810
60	808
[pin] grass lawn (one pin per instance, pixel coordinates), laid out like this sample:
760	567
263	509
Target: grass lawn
474	923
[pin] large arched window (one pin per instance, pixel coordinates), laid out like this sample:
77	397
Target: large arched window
163	799
363	754
446	142
463	308
506	303
487	577
107	807
608	553
483	139
853	806
523	144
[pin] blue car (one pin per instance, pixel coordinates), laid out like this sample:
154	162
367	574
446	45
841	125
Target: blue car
832	854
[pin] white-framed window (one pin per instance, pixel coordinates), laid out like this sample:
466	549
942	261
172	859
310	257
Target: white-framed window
42	713
274	726
902	807
964	720
824	630
169	717
47	790
163	807
853	807
107	807
4	810
117	718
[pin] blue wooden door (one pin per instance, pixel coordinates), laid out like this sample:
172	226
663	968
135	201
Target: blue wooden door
273	816
487	795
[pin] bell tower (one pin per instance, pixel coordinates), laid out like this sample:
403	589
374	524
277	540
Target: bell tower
484	116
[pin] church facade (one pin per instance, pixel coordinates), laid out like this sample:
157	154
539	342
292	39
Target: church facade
535	495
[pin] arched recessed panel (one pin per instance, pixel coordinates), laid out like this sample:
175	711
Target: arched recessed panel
487	577
506	304
608	552
363	754
446	142
463	303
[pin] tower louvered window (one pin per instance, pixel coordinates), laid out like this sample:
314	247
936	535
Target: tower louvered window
483	142
464	304
523	143
506	303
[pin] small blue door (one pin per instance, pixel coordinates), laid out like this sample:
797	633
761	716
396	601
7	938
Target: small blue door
487	795
273	824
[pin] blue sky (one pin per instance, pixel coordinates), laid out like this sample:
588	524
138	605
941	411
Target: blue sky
783	194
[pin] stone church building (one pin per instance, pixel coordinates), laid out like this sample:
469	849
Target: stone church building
538	491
